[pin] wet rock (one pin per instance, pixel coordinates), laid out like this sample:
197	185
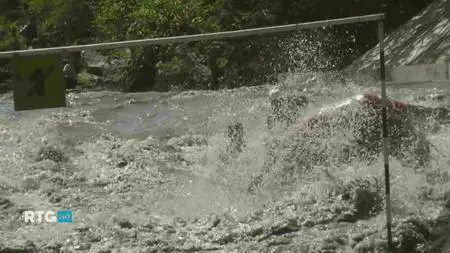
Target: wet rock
346	217
180	222
124	224
52	247
122	164
83	246
93	62
364	194
227	237
149	144
190	247
102	248
149	250
206	223
359	237
342	239
364	201
236	137
125	159
100	251
93	238
426	192
328	245
169	229
308	223
5	86
66	249
285	227
442	245
255	216
150	241
28	247
43	175
46	164
11	250
279	241
437	177
54	199
213	221
5	203
82	228
30	183
167	248
447	200
187	141
51	153
440	231
114	72
411	235
370	245
257	231
101	182
88	80
58	180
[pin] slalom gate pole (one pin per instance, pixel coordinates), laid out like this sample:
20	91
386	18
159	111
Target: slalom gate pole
385	136
197	37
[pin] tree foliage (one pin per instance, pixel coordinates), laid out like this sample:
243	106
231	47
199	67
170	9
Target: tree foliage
208	64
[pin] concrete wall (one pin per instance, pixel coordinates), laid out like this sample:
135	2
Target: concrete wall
420	73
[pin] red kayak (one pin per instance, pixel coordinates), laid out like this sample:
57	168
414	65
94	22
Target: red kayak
373	102
358	119
395	108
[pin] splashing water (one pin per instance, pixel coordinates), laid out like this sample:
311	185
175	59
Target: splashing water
202	179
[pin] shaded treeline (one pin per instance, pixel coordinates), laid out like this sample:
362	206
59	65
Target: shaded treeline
207	64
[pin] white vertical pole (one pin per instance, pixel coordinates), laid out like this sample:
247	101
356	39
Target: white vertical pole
385	136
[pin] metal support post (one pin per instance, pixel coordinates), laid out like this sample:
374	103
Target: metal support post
385	136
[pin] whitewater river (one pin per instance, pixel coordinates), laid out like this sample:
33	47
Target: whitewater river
164	115
193	189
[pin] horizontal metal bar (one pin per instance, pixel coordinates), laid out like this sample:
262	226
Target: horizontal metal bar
196	37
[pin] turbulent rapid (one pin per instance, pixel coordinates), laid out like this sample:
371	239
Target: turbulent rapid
162	163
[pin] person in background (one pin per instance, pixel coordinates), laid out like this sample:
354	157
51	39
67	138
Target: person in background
29	33
70	76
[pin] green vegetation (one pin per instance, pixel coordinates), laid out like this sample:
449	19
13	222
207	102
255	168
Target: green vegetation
209	64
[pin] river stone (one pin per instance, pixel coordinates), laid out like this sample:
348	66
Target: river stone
46	164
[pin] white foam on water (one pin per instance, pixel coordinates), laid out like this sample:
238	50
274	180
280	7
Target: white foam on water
340	104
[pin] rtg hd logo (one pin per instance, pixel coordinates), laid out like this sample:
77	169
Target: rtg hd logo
61	216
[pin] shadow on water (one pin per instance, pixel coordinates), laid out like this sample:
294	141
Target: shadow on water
136	120
141	120
9	115
7	112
